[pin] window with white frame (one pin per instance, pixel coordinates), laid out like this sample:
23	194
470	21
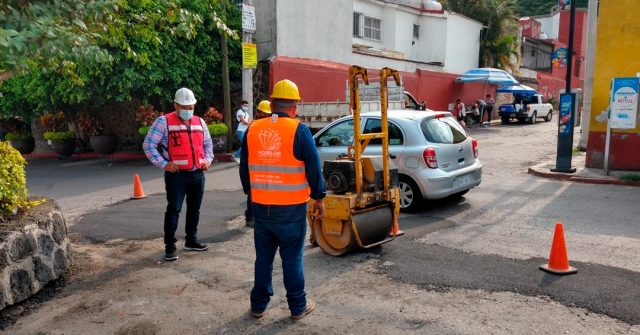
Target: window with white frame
416	31
372	28
357	24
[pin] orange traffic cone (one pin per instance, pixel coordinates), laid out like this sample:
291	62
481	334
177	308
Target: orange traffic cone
558	259
395	230
138	193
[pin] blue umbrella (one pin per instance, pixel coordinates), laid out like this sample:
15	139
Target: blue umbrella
517	89
487	75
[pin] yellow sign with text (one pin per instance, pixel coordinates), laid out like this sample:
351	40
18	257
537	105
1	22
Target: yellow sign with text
249	56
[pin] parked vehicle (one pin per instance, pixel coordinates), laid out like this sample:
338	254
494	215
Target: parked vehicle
434	155
526	107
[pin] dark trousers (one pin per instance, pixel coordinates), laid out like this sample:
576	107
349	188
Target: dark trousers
189	185
488	110
288	238
248	213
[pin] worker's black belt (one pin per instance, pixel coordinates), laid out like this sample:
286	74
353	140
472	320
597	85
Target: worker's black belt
190	172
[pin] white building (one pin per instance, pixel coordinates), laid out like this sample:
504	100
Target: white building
549	24
403	34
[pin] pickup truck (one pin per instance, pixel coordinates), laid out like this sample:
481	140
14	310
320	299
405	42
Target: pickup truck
526	108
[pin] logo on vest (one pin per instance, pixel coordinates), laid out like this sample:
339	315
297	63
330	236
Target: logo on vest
270	140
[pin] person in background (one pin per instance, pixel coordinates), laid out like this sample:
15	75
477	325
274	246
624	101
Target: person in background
280	168
482	106
243	116
489	110
477	119
264	110
458	110
188	152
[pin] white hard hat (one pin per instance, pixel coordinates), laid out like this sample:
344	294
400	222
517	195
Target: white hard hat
184	96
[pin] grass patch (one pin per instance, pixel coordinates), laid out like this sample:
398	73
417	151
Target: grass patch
575	150
630	177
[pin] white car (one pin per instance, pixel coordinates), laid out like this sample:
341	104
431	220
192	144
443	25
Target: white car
434	155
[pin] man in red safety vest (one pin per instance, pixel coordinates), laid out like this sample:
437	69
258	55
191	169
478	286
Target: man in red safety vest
188	153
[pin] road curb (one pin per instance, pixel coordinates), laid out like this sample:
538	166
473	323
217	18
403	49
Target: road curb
585	180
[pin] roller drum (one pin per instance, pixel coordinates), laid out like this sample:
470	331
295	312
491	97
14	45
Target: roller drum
373	226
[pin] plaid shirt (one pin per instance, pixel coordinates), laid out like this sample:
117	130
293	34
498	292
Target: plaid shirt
158	134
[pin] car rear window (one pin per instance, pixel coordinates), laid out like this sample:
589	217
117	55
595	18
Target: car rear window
443	130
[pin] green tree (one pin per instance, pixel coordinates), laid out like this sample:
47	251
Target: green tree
541	7
498	39
153	63
55	34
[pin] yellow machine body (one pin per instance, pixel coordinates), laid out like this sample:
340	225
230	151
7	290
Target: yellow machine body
364	216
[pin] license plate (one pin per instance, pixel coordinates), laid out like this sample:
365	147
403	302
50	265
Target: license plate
464	180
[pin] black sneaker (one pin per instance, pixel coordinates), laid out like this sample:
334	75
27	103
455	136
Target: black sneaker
170	253
195	246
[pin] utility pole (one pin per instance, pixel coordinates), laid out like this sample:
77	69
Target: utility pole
247	73
589	73
225	80
567	108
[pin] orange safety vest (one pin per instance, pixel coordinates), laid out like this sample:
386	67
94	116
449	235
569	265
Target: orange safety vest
186	144
277	177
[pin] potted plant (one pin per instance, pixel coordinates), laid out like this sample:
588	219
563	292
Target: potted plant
103	144
61	139
217	129
145	117
18	135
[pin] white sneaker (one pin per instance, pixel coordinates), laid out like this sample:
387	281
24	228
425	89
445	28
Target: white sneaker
237	159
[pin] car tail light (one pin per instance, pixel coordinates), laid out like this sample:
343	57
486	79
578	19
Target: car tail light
474	143
440	115
430	159
528	108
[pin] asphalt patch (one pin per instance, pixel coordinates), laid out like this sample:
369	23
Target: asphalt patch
143	219
601	289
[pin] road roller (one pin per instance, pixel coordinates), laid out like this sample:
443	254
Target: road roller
362	200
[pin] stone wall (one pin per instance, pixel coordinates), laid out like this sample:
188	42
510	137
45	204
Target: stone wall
33	251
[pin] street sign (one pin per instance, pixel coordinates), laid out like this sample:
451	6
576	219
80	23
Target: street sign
564	4
249	56
559	58
624	102
248	18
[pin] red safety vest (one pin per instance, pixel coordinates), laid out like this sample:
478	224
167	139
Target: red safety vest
186	144
277	177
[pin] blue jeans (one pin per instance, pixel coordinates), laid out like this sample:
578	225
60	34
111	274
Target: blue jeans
289	237
240	137
189	184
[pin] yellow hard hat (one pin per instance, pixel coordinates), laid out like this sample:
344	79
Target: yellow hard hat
265	106
286	90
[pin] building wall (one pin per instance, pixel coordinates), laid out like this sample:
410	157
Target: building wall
463	44
320	81
433	39
377	11
550	25
617	44
321	29
266	28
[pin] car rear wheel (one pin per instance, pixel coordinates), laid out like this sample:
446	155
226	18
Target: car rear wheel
410	195
548	117
533	118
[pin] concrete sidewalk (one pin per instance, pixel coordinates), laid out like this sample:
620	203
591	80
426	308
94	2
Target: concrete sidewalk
583	174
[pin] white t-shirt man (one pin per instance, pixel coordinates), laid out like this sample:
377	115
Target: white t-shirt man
247	116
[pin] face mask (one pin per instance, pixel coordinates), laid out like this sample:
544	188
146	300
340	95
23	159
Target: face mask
186	114
244	108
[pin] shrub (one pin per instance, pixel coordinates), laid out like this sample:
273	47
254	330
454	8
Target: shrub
146	115
212	116
218	129
53	122
17	137
13	181
144	130
60	136
89	124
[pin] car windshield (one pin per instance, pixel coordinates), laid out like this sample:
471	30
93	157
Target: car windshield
443	130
